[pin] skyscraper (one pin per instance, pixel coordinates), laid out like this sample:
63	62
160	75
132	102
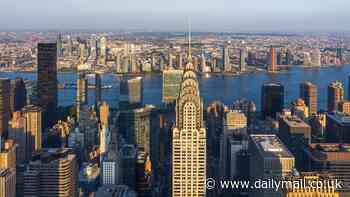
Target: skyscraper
335	95
170	60
18	95
270	158
307	59
110	166
59	45
82	94
104	114
242	57
289	58
338	127
171	85
105	135
8	154
272	99
52	172
136	127
131	93
340	54
308	92
128	157
5	86
316	57
143	174
82	90
118	65
105	138
295	134
8	182
102	49
153	61
47	81
231	142
280	56
272	60
226	58
189	138
98	88
203	63
161	62
179	61
32	130
16	133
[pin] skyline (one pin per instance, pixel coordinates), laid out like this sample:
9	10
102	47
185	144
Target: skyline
156	15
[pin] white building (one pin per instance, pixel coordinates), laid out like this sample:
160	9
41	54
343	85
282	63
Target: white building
110	169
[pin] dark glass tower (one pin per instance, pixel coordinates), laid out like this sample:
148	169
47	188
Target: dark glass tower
5	86
272	99
18	95
131	93
47	81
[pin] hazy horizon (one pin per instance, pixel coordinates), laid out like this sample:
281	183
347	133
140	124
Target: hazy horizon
165	15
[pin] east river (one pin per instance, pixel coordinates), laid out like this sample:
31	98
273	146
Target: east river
225	88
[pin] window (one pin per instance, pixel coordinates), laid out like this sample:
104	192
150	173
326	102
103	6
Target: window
190	116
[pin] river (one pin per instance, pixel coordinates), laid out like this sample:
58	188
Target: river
217	87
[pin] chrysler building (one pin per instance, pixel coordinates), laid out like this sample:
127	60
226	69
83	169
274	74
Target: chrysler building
189	138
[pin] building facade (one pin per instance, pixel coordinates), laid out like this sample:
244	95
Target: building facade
18	95
272	67
269	158
47	82
333	158
40	178
131	93
189	139
308	92
272	99
5	86
32	129
171	85
335	95
8	182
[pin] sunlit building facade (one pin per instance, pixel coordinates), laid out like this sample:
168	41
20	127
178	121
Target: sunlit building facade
189	139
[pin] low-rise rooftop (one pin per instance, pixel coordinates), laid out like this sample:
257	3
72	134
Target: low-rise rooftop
270	146
329	152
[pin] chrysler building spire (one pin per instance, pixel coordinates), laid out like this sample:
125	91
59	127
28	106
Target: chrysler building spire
189	65
189	42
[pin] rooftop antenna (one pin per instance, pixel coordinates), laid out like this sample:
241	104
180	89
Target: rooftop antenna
189	41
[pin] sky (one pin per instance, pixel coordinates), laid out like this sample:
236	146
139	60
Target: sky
172	15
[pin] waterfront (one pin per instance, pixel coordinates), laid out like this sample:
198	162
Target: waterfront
217	87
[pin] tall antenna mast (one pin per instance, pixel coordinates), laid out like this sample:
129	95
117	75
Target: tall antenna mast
189	40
